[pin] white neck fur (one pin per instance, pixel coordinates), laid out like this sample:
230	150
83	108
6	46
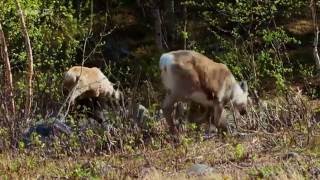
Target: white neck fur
238	95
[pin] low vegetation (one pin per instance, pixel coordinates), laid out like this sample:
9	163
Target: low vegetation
278	139
271	44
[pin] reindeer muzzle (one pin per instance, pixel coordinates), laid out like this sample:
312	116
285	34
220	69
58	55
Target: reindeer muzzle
243	112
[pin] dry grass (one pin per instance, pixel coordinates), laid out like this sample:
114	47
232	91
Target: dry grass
279	139
255	159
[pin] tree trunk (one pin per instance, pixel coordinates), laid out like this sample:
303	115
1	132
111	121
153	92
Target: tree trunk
313	7
170	24
141	5
8	87
30	60
158	29
185	33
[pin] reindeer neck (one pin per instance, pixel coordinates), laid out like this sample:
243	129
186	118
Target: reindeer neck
231	86
236	92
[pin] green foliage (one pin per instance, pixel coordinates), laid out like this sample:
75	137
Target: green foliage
55	33
266	171
21	145
5	140
80	172
52	29
239	151
253	40
184	35
36	140
249	36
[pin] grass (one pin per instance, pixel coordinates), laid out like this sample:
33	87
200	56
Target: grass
276	140
231	158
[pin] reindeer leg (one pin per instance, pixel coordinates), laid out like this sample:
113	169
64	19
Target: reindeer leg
218	121
97	109
74	94
167	111
207	133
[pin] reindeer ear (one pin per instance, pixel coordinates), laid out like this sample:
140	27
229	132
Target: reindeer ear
244	86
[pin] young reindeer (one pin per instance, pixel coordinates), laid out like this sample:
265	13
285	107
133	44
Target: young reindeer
83	83
191	76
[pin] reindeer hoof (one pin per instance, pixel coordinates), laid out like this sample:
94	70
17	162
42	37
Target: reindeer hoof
208	136
174	131
176	140
224	130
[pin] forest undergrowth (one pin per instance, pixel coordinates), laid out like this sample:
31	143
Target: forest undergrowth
279	138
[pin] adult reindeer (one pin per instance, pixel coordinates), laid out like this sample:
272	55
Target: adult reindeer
191	76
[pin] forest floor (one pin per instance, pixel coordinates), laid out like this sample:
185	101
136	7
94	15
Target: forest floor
290	152
243	156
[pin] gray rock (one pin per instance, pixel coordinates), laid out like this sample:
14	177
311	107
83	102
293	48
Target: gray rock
158	115
290	155
316	116
62	127
315	172
142	113
45	130
99	168
147	172
199	170
103	169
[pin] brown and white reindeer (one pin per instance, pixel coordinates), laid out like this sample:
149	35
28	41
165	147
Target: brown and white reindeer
83	83
191	76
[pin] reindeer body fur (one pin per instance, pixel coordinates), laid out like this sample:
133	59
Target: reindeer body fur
191	76
84	82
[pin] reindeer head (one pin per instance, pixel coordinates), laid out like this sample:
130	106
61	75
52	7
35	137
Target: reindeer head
240	97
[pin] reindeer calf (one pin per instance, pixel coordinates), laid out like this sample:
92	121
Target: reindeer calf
83	83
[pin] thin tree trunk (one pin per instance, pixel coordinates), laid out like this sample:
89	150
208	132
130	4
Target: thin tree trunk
185	35
140	4
313	7
170	25
158	29
8	87
28	103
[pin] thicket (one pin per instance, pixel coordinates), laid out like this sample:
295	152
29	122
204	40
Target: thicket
126	38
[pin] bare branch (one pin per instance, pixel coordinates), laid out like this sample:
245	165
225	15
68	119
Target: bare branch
313	7
8	90
157	26
28	103
67	102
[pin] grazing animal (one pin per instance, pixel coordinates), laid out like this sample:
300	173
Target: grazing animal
191	76
86	85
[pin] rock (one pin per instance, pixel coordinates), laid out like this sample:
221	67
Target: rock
61	127
158	115
142	113
99	168
290	155
45	130
199	170
315	172
103	169
316	116
148	173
